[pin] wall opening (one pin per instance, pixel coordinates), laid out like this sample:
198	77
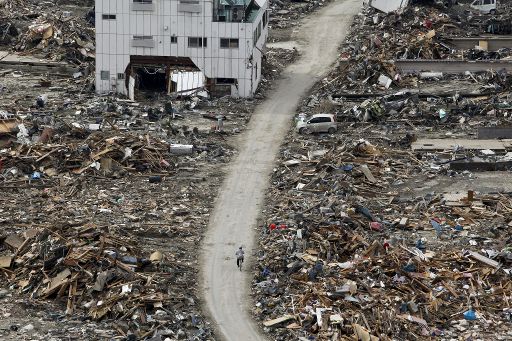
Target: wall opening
150	79
163	75
220	87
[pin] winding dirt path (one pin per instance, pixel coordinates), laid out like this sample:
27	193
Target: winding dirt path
233	222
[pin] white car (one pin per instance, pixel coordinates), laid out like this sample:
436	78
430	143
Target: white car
320	123
485	6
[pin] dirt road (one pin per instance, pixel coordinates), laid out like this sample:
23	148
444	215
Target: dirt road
233	222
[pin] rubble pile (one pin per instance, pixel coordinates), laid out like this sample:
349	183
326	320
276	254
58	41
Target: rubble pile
286	13
115	153
416	32
109	198
100	212
276	60
368	66
37	28
112	253
344	252
398	225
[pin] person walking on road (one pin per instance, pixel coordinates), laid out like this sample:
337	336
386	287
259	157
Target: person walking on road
239	257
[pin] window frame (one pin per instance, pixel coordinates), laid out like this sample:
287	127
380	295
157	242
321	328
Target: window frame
105	75
201	42
232	43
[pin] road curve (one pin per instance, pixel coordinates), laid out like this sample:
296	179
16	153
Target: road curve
233	221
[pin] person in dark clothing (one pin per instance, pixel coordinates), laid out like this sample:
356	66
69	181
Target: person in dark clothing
239	257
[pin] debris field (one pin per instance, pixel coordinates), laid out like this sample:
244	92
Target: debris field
397	226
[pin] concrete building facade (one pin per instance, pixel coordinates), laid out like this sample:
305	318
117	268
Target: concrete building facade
145	44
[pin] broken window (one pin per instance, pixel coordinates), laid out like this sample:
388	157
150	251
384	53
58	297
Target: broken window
229	43
105	75
197	42
108	17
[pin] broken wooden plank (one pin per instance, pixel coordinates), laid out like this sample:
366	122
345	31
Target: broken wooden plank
103	152
5	261
278	320
363	334
8	126
14	241
57	282
483	259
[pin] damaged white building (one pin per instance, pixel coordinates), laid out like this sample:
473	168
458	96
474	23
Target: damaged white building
178	45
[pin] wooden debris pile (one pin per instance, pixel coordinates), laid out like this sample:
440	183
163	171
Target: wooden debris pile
95	271
345	254
89	265
98	153
44	28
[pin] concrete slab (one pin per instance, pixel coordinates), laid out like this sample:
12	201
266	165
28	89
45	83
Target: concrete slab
480	165
481	182
494	133
447	144
414	66
31	64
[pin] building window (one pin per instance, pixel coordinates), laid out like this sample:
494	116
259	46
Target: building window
228	43
257	33
120	76
174	40
105	75
264	19
197	42
108	17
143	41
191	6
142	5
